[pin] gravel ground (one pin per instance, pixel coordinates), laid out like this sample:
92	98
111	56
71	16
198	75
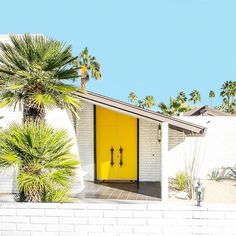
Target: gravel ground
223	191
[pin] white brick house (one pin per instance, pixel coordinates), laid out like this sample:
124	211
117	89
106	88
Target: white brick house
155	135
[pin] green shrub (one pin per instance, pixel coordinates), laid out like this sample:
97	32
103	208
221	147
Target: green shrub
215	175
42	156
181	180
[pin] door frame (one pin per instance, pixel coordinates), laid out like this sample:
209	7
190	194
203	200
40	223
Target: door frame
95	145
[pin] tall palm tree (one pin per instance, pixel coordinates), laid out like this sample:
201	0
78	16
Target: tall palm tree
174	108
149	102
228	90
182	97
89	67
33	73
195	96
211	96
133	97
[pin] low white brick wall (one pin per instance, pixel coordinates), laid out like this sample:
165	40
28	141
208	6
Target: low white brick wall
121	219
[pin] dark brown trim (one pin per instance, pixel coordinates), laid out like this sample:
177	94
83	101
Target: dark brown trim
95	142
137	150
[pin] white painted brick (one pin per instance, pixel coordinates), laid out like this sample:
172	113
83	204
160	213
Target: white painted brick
229	230
177	229
178	214
208	215
73	220
7	226
89	213
118	229
136	221
85	137
103	234
73	234
102	221
148	214
133	234
31	227
132	207
44	234
29	212
62	212
191	222
60	228
102	206
43	205
224	222
147	229
11	233
209	230
118	214
15	219
81	206
44	220
149	152
7	212
230	215
89	228
163	222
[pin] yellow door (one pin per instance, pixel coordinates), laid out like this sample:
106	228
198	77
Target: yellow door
116	136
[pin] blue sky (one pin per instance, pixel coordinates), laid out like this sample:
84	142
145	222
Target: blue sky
152	47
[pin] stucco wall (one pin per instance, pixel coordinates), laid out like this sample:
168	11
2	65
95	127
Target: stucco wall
215	150
149	152
115	219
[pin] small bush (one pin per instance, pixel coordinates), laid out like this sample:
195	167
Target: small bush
181	181
215	175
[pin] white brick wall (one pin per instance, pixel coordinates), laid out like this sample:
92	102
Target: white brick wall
116	219
149	152
85	138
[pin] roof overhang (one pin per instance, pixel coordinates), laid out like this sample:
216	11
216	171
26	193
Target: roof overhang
135	111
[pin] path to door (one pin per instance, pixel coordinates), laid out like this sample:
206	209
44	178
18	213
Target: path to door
122	191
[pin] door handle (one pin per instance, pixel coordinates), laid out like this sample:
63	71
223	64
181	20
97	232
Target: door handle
121	156
112	154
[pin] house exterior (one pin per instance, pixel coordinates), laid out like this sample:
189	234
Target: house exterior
116	141
205	111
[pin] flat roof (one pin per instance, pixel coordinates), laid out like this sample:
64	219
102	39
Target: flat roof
107	102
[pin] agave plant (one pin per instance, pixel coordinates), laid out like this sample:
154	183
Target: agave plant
41	154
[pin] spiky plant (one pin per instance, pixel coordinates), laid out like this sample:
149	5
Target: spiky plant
174	108
195	96
34	73
228	90
43	159
133	98
89	67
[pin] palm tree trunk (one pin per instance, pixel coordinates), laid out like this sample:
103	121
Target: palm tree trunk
31	112
83	83
228	104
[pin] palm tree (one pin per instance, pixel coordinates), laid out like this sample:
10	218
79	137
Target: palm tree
34	72
42	156
195	96
149	102
182	97
174	108
133	97
211	96
228	90
89	67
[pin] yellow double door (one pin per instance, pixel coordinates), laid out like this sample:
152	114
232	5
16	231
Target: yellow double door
116	146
